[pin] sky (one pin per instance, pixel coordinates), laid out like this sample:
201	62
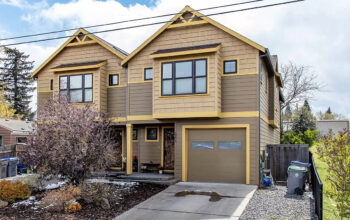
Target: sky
313	33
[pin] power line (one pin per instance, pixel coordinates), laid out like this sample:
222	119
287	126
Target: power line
155	23
131	20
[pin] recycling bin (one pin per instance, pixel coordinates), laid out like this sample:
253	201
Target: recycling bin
296	179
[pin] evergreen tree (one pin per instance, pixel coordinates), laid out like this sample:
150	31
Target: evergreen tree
307	106
329	111
304	121
18	84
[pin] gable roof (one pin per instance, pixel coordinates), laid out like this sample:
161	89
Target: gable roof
205	18
115	50
16	126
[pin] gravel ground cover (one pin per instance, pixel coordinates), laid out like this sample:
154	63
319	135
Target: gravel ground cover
274	203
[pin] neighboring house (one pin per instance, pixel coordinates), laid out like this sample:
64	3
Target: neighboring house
334	126
13	131
197	98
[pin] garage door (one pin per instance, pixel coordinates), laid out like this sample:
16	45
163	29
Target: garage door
217	155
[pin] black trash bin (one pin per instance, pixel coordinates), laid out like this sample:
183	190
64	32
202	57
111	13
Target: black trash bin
12	166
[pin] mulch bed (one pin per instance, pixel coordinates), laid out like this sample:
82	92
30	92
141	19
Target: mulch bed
128	199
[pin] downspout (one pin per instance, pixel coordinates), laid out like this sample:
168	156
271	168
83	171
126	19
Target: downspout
259	119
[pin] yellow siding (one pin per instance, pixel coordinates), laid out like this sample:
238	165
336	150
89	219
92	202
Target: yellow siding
190	36
90	52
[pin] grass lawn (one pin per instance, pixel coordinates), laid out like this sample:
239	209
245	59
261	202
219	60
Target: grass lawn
328	204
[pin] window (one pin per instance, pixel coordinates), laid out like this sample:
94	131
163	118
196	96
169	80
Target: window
51	84
134	134
113	79
230	145
202	145
21	140
230	66
151	134
184	77
1	141
78	88
148	73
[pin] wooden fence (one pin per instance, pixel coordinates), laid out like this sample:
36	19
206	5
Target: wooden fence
279	157
11	150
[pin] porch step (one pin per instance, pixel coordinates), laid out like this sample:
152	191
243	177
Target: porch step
161	182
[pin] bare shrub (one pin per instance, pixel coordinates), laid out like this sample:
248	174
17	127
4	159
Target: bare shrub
94	192
71	141
61	199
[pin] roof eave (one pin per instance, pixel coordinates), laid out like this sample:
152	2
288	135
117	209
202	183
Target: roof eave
103	44
209	20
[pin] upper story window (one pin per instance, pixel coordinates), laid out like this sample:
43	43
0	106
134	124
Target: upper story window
230	66
78	88
51	84
184	77
113	80
148	73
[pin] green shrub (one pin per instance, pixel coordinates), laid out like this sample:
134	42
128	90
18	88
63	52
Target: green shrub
291	138
308	137
13	191
335	152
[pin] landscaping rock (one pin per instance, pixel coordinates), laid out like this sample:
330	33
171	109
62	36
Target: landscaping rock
274	203
3	204
103	203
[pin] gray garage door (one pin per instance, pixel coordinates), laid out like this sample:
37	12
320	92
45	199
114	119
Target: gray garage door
217	155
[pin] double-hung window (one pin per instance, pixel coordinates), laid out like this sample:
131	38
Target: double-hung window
184	77
78	88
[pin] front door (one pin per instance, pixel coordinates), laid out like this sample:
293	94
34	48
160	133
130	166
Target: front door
169	148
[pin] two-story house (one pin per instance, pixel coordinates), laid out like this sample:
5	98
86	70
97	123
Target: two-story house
196	97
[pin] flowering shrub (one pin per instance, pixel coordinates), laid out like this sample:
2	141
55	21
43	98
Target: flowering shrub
61	199
13	191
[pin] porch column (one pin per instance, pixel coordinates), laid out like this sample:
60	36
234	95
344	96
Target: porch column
129	149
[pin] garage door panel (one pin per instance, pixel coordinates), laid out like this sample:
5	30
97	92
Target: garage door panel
216	165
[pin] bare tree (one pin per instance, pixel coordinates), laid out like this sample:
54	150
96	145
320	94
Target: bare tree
72	141
299	84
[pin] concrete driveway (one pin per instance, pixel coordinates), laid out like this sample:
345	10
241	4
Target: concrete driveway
190	200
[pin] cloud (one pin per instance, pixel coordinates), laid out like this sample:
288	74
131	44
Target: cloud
311	33
24	4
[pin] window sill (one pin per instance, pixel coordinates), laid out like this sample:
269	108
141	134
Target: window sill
185	96
83	103
116	86
151	140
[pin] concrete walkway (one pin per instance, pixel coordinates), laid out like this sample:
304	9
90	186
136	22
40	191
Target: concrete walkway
192	202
